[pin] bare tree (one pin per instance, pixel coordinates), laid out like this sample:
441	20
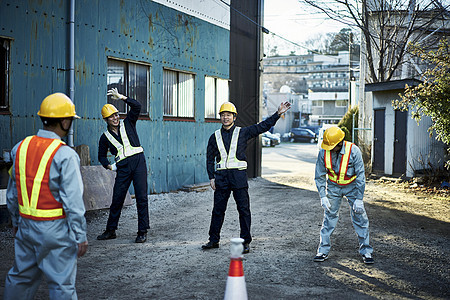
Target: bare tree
387	27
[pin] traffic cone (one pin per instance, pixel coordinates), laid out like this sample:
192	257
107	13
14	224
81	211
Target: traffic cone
236	289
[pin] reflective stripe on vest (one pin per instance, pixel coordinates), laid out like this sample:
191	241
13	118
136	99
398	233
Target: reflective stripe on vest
125	150
32	170
342	178
229	161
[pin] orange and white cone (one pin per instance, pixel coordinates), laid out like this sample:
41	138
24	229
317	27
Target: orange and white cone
236	289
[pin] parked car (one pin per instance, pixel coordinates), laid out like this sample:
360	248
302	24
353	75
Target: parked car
303	135
274	138
265	141
313	128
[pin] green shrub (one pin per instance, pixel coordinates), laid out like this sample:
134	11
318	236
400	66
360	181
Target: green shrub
346	123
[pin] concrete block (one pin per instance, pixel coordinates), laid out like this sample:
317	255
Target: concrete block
98	187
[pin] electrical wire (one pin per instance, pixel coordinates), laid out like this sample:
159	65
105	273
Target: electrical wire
265	30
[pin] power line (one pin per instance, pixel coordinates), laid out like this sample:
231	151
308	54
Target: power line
265	30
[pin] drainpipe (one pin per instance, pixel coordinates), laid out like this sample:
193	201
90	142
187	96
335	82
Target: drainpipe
71	60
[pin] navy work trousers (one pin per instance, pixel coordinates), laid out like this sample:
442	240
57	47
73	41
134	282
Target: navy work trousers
242	199
134	170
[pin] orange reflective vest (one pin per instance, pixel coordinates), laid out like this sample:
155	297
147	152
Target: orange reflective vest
32	167
341	178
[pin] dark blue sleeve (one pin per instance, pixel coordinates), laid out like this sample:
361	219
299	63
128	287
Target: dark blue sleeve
211	153
254	130
103	151
135	110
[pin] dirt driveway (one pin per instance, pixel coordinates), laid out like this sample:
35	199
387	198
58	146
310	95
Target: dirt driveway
409	233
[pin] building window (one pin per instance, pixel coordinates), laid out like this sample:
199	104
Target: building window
317	103
341	103
178	94
4	72
216	93
130	79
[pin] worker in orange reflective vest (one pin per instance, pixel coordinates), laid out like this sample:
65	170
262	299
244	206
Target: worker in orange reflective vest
342	163
45	200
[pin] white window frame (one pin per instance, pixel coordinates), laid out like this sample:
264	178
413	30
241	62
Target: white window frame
317	101
217	91
336	103
178	94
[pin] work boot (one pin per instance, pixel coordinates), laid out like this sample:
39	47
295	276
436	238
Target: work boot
246	248
107	235
210	245
320	257
141	237
367	259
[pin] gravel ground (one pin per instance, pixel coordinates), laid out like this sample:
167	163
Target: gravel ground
409	233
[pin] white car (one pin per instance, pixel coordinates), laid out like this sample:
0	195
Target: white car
274	138
265	141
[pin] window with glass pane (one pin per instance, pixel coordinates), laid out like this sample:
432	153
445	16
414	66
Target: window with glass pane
4	72
210	97
222	93
216	93
341	103
178	94
138	82
130	79
317	103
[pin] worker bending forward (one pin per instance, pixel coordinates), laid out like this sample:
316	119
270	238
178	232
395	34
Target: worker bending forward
121	139
342	162
45	200
226	164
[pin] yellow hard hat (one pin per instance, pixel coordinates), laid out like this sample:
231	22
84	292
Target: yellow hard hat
57	105
331	137
108	110
228	106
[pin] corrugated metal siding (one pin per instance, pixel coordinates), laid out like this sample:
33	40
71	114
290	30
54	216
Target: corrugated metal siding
142	31
423	151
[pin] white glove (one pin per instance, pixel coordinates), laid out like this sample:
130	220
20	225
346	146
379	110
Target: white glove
113	167
358	207
115	94
325	203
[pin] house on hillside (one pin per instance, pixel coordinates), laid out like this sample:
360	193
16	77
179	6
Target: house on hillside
323	85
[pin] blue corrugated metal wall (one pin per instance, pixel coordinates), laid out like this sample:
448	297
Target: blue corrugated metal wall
141	31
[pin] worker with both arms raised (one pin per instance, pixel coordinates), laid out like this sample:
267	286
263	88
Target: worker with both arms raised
122	141
226	164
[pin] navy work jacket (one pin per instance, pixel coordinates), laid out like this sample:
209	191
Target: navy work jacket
130	127
234	178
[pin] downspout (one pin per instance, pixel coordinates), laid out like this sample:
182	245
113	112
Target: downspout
71	59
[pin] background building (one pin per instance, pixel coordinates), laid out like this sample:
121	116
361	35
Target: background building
173	57
320	87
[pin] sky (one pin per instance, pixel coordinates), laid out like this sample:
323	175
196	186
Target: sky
296	21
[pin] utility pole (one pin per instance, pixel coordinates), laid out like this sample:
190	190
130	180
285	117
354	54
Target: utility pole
350	71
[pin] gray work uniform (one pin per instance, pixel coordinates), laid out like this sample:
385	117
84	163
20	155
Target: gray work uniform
48	247
335	193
